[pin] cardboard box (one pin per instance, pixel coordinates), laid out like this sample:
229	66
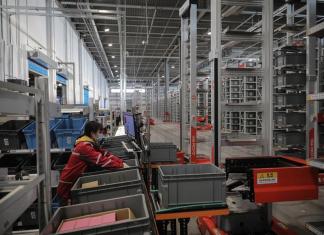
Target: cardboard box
124	214
93	184
95	220
83	222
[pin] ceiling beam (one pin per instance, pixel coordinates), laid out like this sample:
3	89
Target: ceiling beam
174	40
130	6
65	15
58	9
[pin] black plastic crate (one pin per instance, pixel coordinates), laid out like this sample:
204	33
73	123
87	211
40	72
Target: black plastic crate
13	162
29	219
290	139
60	160
289	119
11	136
30	165
290	79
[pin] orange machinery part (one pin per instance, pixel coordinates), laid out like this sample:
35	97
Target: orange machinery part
285	184
208	224
181	157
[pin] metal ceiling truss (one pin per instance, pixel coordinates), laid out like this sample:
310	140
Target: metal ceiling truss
153	31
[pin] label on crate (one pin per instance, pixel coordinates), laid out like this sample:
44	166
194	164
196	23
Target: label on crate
267	178
6	142
69	140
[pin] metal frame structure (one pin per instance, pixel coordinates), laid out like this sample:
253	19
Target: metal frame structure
166	90
22	194
122	42
216	59
312	82
188	14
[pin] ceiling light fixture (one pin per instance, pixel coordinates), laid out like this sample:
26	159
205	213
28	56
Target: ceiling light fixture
116	71
103	11
143	42
209	33
113	56
172	67
107	29
110	44
115	66
162	76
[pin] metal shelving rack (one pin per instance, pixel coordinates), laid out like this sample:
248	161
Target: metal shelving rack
161	103
202	97
231	122
15	100
251	89
251	123
314	96
232	90
246	90
209	101
289	97
106	118
175	105
264	105
188	15
314	88
289	84
149	100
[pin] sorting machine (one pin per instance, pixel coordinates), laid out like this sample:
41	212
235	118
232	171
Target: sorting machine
253	184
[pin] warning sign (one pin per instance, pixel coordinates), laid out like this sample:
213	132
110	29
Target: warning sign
267	178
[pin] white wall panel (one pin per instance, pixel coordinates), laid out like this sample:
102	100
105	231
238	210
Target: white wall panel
37	27
75	59
59	38
29	32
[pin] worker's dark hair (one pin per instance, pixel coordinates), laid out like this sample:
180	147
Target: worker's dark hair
91	126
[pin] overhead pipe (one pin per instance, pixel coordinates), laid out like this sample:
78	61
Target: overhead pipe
91	26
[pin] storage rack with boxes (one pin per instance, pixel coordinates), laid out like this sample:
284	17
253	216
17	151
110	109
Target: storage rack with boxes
175	105
20	195
289	97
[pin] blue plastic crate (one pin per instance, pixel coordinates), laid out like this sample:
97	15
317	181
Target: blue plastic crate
30	133
68	130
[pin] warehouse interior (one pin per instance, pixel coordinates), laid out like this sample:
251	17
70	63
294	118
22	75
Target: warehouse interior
162	117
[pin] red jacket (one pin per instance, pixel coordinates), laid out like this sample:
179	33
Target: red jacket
84	154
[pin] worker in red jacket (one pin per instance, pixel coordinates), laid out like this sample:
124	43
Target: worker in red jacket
85	153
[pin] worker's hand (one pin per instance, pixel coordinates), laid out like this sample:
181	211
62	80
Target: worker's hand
125	165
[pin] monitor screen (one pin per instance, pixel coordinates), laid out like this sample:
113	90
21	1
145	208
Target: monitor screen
130	128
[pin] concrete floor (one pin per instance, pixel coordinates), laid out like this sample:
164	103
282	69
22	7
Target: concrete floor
293	214
170	132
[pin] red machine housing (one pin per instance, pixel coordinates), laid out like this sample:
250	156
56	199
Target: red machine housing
276	179
293	183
